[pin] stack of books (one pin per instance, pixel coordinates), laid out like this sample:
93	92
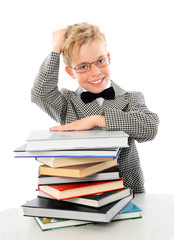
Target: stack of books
78	180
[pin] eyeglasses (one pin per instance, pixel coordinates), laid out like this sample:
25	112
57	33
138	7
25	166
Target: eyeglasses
85	67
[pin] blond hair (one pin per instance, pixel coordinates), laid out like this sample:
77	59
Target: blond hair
78	35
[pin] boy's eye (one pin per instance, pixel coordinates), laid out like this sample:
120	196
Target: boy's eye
83	67
101	61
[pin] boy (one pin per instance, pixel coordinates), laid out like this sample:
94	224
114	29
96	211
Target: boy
98	102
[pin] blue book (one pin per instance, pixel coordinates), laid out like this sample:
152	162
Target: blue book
131	207
131	211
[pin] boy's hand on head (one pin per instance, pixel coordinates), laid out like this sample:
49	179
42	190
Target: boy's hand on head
57	40
82	124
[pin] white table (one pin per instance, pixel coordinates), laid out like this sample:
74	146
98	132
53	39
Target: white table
157	224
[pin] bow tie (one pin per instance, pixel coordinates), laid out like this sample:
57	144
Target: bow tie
88	97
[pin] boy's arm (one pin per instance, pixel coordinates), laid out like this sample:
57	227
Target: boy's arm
45	92
138	122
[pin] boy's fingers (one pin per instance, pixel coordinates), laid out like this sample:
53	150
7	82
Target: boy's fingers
60	128
56	128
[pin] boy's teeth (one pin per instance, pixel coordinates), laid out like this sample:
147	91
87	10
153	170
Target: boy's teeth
97	81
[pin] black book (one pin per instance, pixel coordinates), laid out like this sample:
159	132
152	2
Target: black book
95	200
43	207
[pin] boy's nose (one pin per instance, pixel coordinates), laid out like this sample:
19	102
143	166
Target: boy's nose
94	69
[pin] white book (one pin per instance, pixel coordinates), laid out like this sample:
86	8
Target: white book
54	140
21	152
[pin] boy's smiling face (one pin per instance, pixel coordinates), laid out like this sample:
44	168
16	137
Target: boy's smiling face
96	79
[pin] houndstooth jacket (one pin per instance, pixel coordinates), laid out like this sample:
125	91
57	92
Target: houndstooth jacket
127	112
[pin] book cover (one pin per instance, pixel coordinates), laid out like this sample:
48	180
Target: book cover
101	199
77	171
105	175
65	191
96	200
131	211
131	207
53	223
42	207
87	134
54	140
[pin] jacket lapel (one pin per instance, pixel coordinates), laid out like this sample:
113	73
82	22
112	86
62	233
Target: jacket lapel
120	100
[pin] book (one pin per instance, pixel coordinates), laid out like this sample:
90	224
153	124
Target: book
70	161
43	207
131	211
21	152
54	140
106	175
53	223
72	190
77	171
96	200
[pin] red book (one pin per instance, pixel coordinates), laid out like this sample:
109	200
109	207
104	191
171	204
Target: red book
66	191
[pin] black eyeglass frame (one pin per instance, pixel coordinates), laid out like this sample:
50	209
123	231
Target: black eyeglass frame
89	64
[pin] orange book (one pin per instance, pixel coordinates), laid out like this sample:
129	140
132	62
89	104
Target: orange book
66	191
77	171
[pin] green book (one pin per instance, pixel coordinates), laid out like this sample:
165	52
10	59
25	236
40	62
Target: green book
53	223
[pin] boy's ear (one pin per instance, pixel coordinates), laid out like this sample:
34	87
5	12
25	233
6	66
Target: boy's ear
70	72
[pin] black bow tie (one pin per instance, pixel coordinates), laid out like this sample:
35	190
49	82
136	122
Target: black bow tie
88	97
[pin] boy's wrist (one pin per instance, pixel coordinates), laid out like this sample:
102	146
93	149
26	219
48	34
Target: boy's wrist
99	121
56	50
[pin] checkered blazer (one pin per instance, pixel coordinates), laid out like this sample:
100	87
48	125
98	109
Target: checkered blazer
127	112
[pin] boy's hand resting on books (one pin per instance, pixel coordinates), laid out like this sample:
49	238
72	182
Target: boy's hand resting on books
82	124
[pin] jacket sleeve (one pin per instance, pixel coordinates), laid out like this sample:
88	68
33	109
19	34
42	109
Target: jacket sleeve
45	92
136	120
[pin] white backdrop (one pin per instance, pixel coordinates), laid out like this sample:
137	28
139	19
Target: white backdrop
140	40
